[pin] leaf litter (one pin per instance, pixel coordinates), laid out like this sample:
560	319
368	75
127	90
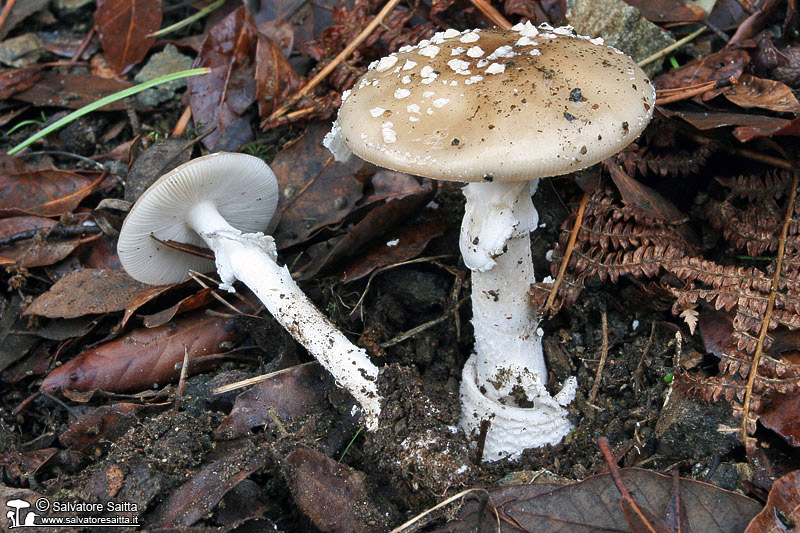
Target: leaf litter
234	459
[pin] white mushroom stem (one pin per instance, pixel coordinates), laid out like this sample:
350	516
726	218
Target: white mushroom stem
504	379
250	258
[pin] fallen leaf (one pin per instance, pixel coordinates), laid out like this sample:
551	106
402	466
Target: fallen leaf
752	91
690	317
28	244
198	497
292	393
74	91
12	115
782	415
20	12
66	45
273	19
749	126
147	294
316	191
18	466
100	254
767	128
727	63
770	458
195	301
335	497
140	484
782	509
275	77
145	358
124	28
84	292
649	202
383	217
104	424
594	505
401	245
16	80
228	50
46	193
9	494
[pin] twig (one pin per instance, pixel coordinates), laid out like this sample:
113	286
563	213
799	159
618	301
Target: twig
674	46
717	31
422	327
82	48
69	409
196	277
742	152
188	20
576	227
457	285
258	379
492	14
770	306
327	69
79	157
484	431
405	525
183	121
238	295
603	355
637	374
746	5
605	449
182	380
18	409
389	267
685	93
6	12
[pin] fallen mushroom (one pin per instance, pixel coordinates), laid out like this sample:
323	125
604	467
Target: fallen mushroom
222	201
497	109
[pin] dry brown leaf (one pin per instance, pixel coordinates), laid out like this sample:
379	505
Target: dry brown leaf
145	358
594	505
782	509
219	98
84	292
124	28
44	193
752	91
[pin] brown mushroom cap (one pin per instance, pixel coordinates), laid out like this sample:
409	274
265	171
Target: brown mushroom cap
503	105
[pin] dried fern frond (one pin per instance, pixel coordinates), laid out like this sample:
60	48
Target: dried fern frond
672	163
614	240
774	184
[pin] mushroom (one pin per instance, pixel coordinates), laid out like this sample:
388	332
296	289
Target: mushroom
222	201
498	109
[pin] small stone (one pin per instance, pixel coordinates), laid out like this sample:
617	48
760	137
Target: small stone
621	26
21	51
165	62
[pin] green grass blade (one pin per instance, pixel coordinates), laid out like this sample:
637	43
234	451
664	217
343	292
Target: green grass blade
188	20
111	98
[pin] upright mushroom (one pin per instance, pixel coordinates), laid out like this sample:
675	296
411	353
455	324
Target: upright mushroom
223	201
497	109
